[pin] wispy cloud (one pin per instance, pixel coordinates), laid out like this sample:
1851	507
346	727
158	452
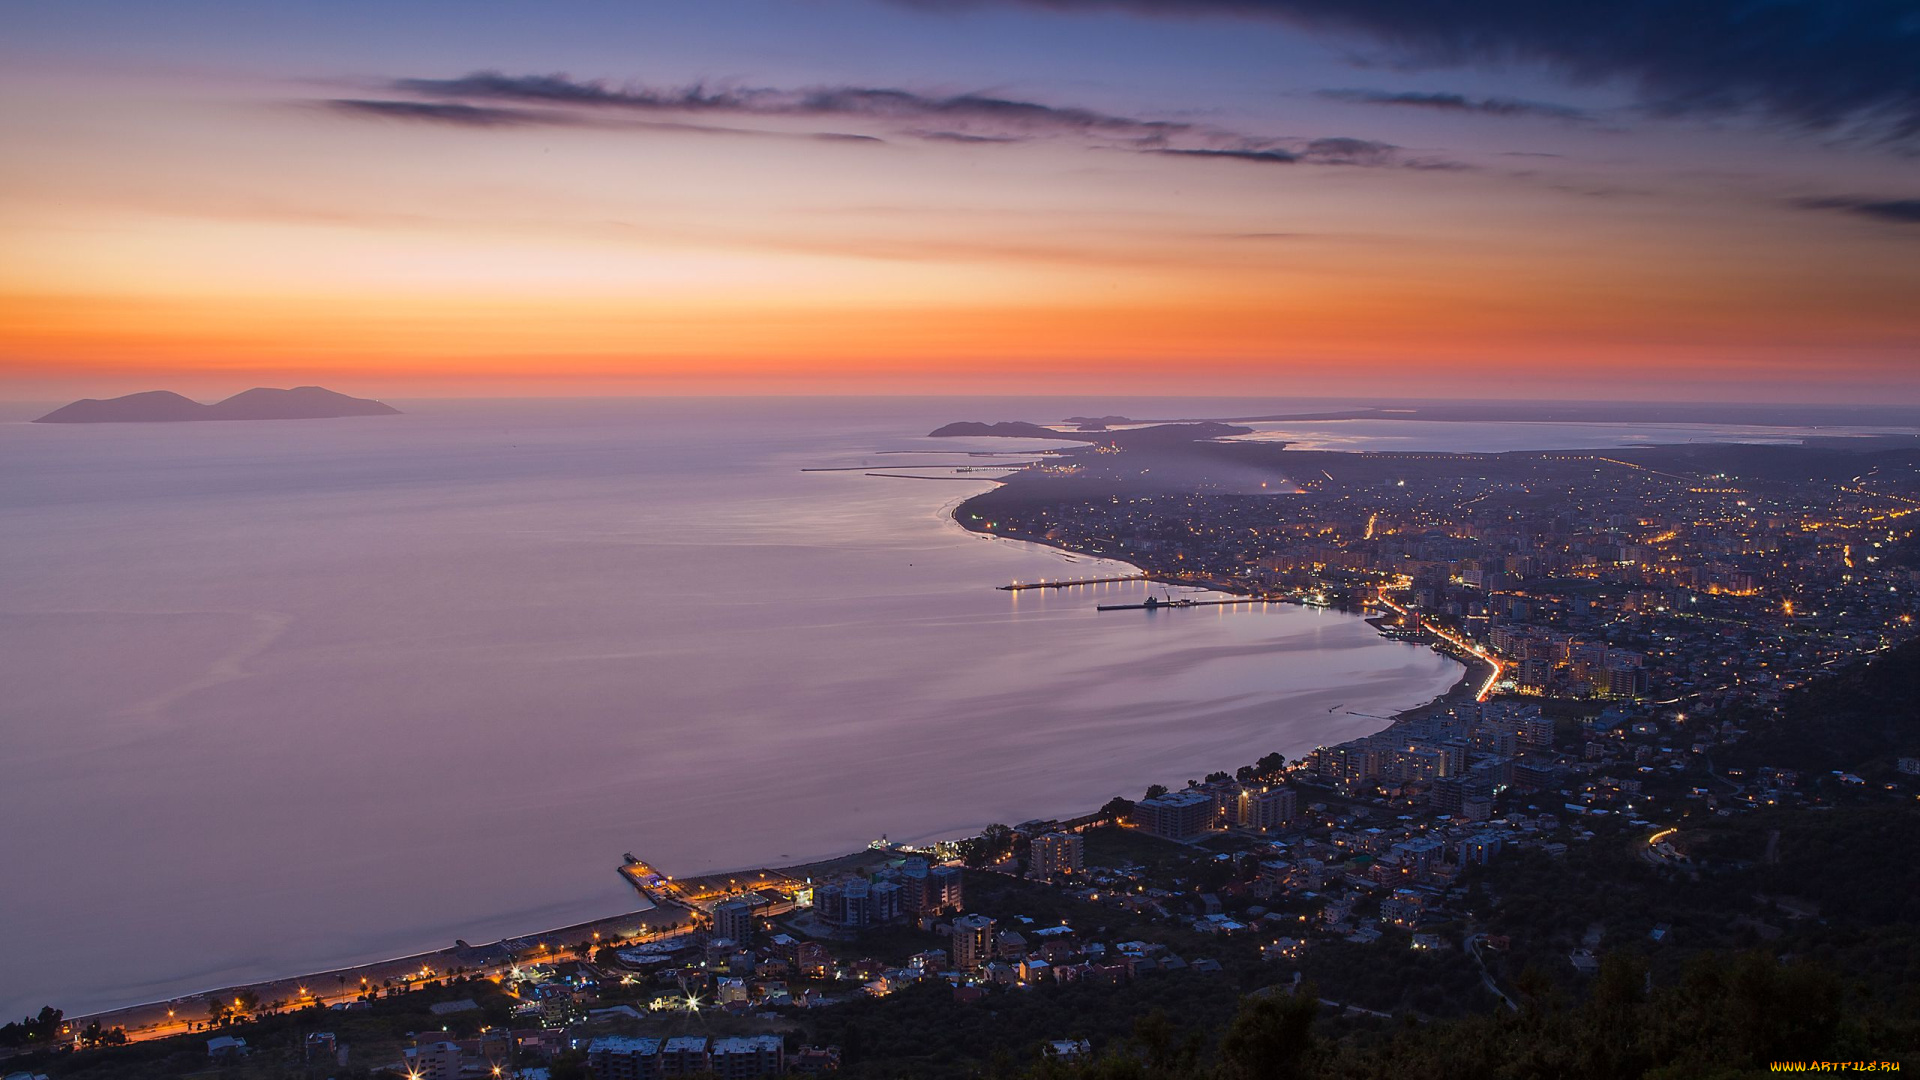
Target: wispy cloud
1262	157
962	137
441	113
1894	211
1338	151
1444	101
494	99
1832	66
980	117
1362	153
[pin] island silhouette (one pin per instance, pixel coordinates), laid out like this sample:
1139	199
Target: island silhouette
259	403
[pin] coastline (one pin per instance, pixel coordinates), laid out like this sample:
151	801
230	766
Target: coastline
340	985
1474	670
162	1018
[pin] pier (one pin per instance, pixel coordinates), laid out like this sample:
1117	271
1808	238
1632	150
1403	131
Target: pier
659	889
1152	604
1020	586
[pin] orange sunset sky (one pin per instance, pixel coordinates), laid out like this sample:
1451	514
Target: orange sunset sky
862	197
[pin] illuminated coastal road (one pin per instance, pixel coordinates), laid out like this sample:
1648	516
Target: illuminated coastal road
1458	642
180	1016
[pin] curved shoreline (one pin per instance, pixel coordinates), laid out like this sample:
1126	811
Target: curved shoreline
1470	666
151	1012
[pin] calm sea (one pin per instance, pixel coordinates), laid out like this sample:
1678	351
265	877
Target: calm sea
279	696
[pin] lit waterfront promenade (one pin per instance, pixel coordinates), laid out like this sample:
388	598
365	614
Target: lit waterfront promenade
497	961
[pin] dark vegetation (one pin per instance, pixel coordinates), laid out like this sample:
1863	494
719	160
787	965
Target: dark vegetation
40	1030
1860	720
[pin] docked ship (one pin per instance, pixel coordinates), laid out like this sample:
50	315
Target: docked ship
1153	603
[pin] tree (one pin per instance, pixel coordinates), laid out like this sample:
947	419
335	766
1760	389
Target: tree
569	1065
32	1029
96	1036
1117	808
999	841
1154	1034
993	842
850	1045
1270	1036
1156	791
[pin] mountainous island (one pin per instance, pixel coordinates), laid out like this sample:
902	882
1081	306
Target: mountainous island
260	403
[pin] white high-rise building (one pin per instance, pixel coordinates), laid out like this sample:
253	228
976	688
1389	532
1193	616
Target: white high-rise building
1057	855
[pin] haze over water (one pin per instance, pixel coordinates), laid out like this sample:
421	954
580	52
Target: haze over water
340	690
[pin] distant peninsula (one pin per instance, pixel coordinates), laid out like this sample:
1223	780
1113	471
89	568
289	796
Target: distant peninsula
1171	433
260	403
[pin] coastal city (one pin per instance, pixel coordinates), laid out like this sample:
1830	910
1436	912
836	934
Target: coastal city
1624	627
1649	575
959	540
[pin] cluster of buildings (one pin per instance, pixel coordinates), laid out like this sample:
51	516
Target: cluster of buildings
1183	815
494	1052
1460	756
912	891
1354	863
1629	576
620	1057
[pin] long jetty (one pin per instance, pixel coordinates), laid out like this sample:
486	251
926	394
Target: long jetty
1177	605
1020	586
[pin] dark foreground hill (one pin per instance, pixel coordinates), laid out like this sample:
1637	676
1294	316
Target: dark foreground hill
260	403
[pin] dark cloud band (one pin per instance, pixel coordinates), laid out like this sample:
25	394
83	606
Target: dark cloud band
1894	211
494	99
1441	101
1845	66
441	113
979	116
